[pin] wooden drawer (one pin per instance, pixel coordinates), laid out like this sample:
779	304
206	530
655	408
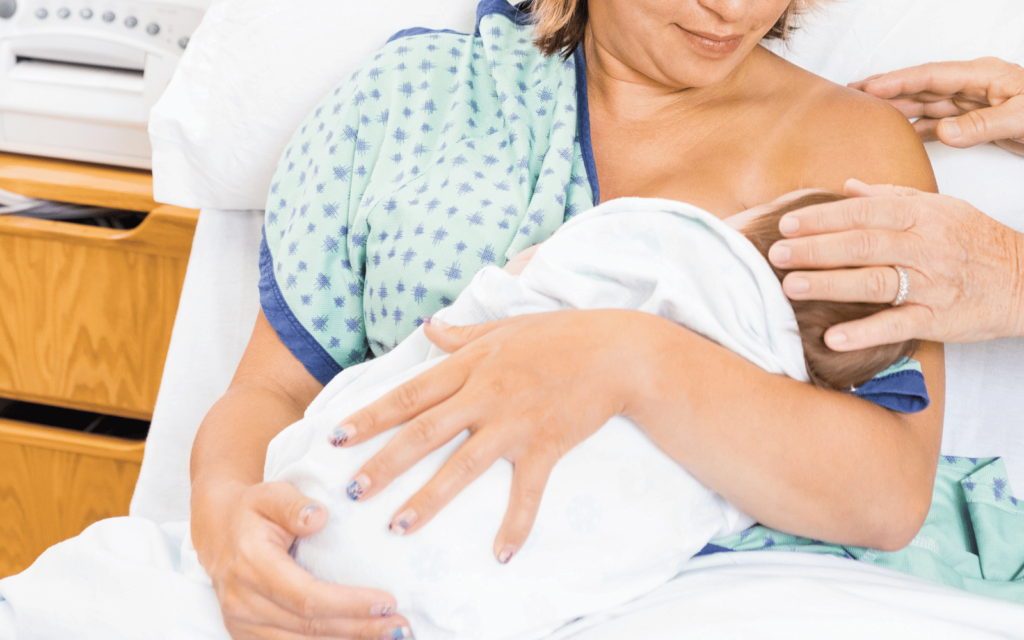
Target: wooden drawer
86	313
54	483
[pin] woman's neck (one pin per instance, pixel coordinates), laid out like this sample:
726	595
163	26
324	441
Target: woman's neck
627	95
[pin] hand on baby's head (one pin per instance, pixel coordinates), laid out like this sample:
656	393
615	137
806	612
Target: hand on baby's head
827	368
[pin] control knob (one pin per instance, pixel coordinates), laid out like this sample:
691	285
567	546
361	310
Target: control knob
63	13
152	28
7	8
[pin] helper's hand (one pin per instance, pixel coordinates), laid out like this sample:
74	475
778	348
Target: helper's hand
528	388
966	270
262	592
963	104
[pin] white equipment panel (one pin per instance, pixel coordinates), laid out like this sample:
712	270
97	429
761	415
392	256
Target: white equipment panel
78	77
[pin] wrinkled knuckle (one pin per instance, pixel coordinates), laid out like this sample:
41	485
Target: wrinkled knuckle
423	433
306	607
466	464
407	396
864	246
877	286
530	497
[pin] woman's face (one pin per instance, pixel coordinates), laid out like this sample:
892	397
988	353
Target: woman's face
682	43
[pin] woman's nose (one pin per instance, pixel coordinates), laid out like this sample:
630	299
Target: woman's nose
728	10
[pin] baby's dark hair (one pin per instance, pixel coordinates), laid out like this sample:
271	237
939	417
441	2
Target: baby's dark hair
827	368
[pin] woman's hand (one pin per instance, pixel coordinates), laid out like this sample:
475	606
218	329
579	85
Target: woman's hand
528	388
243	528
960	103
262	592
966	271
518	262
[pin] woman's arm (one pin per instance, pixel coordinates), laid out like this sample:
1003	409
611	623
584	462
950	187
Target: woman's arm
815	463
807	461
242	528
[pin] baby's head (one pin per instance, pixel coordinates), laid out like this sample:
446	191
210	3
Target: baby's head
827	368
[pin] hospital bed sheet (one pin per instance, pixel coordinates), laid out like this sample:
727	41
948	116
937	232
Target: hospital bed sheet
152	589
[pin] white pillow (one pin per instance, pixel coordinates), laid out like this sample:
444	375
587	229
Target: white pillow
253	70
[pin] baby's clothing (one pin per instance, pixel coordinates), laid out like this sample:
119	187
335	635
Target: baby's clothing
618	517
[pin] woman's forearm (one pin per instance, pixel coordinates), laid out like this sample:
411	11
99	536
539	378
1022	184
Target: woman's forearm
270	391
794	457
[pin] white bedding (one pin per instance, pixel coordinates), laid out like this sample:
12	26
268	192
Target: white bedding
149	580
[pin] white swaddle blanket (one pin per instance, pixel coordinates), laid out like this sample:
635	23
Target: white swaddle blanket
619	517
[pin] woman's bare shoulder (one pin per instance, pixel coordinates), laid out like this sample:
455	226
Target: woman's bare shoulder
832	133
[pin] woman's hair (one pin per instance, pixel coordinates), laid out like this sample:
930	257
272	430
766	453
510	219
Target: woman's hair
827	368
561	24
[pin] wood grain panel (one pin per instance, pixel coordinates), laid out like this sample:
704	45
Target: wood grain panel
55	483
85	327
77	182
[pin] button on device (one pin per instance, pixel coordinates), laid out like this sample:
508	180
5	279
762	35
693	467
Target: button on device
7	8
130	22
63	13
42	13
152	28
183	42
85	13
109	16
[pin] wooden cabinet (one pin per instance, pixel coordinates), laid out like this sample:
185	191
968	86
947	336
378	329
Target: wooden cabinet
85	322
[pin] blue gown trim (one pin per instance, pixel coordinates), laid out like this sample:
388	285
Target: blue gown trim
291	332
904	391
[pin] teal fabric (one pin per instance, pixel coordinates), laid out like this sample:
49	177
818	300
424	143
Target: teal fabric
973	538
443	154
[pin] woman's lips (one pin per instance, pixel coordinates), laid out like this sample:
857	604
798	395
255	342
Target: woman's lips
711	45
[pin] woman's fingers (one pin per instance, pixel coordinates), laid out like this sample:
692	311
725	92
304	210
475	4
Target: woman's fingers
871	284
886	327
475	456
452	338
401	404
420	436
273	574
268	620
529	478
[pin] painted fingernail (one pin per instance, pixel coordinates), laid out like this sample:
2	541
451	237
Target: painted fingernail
402	522
342	434
435	321
789	224
382	610
358	486
307	513
797	285
779	254
836	339
398	633
951	127
506	554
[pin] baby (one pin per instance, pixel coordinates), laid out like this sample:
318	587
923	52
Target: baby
619	517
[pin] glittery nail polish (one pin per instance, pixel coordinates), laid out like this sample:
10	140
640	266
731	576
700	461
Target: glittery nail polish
341	435
506	554
382	610
358	486
399	633
402	522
